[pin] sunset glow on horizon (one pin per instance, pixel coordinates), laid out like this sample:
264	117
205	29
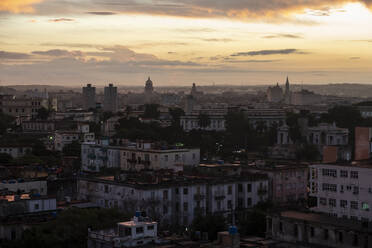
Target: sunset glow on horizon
240	42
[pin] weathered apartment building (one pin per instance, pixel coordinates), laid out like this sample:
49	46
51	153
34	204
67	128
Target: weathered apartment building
137	156
175	200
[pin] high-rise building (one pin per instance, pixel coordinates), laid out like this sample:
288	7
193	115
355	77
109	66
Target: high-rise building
89	97
110	99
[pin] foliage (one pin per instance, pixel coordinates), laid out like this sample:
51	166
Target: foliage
5	159
151	111
43	113
6	121
69	229
211	224
176	114
73	149
307	152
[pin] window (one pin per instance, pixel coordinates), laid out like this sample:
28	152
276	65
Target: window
329	187
355	190
329	172
343	203
177	191
229	204
295	230
185	191
165	195
229	190
139	230
36	206
365	206
332	202
323	201
281	226
176	157
152	195
340	237
343	173
166	158
150	227
185	206
249	202
353	174
165	209
240	187
312	232
354	205
355	240
325	234
106	188
249	187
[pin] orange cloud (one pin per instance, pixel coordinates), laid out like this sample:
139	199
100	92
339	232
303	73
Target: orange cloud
18	6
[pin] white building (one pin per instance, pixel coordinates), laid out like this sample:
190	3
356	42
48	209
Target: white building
175	201
135	233
137	157
89	97
342	190
33	186
192	122
15	151
110	100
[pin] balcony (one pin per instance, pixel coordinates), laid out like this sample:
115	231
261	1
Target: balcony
199	197
132	161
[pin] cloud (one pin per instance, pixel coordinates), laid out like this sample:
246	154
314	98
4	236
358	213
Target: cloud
18	6
289	36
62	20
104	13
354	58
59	53
4	55
268	52
254	61
217	40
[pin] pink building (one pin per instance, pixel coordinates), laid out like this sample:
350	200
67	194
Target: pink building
288	183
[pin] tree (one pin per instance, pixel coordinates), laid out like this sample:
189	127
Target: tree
5	159
176	114
73	149
151	111
204	120
43	113
6	121
212	224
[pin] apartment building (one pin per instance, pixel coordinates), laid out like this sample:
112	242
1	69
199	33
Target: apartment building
23	107
26	186
305	230
137	156
287	182
175	200
342	190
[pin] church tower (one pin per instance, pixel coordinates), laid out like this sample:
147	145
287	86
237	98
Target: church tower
287	93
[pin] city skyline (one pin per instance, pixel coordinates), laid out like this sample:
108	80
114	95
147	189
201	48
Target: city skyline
179	42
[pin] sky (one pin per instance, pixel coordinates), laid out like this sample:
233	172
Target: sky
178	42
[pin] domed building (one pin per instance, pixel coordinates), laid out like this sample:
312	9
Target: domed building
149	87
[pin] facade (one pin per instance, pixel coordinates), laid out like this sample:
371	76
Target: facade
22	107
74	115
136	157
110	101
324	135
267	117
138	232
64	137
19	213
192	122
25	186
38	126
303	229
363	143
287	182
175	201
274	94
305	97
342	190
89	97
15	151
